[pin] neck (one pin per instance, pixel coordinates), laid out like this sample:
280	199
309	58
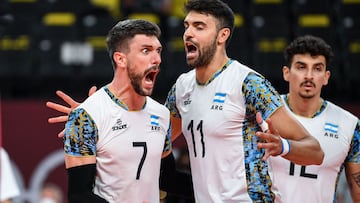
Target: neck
306	107
127	95
204	73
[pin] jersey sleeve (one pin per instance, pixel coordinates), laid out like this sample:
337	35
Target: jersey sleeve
81	134
170	102
260	95
354	151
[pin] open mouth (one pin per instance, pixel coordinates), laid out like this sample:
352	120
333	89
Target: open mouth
151	74
190	47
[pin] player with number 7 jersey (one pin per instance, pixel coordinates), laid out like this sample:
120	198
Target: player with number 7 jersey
128	145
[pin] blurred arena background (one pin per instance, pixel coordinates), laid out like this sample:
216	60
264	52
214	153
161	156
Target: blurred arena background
46	45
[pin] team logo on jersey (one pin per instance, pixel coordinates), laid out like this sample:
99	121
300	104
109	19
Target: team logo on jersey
119	125
218	101
331	130
154	122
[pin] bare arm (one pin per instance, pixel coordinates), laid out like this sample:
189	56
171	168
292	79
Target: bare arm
352	171
73	161
175	127
304	149
80	157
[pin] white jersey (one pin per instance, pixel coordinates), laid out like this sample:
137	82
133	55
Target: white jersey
8	185
128	145
218	122
334	128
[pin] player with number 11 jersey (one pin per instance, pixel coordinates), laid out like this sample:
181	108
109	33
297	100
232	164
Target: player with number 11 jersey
219	127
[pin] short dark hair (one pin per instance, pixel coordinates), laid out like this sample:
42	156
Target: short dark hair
216	8
125	30
315	46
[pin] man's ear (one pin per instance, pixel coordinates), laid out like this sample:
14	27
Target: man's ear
286	71
224	35
120	59
327	77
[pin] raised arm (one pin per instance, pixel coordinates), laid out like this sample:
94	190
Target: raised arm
286	137
303	149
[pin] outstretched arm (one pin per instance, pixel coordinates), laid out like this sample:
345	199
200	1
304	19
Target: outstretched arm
286	133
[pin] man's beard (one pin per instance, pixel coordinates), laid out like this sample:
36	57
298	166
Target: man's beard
205	55
136	82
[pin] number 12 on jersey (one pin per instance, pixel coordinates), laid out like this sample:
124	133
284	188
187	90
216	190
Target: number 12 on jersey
303	172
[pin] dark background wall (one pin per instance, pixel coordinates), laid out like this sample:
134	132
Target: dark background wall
60	44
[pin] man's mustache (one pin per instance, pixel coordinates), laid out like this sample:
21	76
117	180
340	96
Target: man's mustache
307	83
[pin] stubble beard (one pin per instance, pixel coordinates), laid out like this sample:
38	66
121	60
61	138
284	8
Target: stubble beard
136	83
206	54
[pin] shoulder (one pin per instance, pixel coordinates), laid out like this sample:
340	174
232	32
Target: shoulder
156	105
97	102
339	111
187	78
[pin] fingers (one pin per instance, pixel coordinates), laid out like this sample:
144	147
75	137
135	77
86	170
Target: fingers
272	144
67	99
263	125
61	134
266	155
92	90
58	119
58	107
271	149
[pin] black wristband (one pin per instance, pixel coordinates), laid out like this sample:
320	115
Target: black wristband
81	180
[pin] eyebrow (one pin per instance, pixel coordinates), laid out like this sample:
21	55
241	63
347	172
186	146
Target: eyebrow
302	63
194	22
151	46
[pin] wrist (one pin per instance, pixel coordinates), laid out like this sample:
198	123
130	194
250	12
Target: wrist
285	147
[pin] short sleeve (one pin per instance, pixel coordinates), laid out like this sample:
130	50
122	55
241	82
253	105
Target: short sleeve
81	134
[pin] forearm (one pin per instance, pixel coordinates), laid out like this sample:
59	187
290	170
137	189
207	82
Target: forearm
352	177
306	151
174	181
355	196
80	184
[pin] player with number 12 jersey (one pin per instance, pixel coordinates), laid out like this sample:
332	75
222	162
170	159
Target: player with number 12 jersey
336	131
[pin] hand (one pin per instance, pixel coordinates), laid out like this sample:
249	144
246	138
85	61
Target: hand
272	142
64	109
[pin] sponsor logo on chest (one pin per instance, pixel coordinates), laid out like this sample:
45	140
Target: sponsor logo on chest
187	101
119	125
